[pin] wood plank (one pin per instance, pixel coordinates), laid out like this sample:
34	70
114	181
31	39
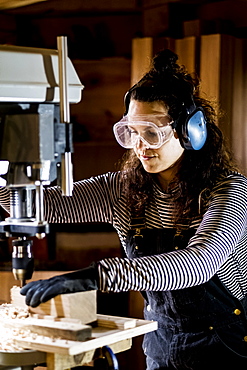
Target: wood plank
44	344
47	327
115	322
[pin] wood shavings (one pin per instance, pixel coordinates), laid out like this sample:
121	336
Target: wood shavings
8	311
10	336
7	340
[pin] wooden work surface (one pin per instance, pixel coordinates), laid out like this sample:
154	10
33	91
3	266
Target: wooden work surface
61	354
101	336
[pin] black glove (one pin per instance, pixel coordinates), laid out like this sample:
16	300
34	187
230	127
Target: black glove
41	291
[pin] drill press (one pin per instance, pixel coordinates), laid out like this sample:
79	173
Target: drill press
36	88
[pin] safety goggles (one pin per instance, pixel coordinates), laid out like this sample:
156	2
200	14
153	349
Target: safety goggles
153	130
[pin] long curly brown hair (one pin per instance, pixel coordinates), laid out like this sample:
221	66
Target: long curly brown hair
171	84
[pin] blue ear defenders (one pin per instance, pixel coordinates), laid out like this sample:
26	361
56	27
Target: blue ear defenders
191	127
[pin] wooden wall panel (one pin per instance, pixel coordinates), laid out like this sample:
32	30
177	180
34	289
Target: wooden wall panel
216	73
106	81
227	62
210	66
186	49
223	76
142	52
243	129
239	106
155	18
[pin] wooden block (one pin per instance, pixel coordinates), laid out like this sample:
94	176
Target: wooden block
80	306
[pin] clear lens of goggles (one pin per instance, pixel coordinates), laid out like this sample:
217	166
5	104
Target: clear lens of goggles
128	132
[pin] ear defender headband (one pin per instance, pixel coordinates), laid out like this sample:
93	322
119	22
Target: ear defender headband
191	126
127	99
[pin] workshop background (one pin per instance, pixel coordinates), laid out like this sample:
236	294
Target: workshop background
111	43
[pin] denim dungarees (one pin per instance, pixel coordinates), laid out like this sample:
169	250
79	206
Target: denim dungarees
200	328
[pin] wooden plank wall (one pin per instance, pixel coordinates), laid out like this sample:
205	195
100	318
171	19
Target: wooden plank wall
216	72
239	106
221	63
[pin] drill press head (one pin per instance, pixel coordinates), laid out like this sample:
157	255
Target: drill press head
33	141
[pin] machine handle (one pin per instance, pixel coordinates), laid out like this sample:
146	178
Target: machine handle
66	162
63	81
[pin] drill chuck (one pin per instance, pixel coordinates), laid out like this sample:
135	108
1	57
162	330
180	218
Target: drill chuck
22	260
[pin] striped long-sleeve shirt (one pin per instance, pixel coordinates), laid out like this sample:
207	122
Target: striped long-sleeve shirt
219	245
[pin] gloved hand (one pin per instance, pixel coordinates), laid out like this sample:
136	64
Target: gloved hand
41	291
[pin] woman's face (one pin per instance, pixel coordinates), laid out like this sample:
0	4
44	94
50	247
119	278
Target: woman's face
159	161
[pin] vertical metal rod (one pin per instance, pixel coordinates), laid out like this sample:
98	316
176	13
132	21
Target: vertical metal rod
66	165
66	172
39	201
63	82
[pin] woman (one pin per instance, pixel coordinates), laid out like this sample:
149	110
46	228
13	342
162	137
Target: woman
179	207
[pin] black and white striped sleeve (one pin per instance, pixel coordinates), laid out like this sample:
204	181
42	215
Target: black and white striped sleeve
4	198
222	229
93	200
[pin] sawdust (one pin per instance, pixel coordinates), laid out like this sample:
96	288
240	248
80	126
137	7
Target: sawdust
7	336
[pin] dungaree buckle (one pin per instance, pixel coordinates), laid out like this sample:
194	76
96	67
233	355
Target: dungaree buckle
137	224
